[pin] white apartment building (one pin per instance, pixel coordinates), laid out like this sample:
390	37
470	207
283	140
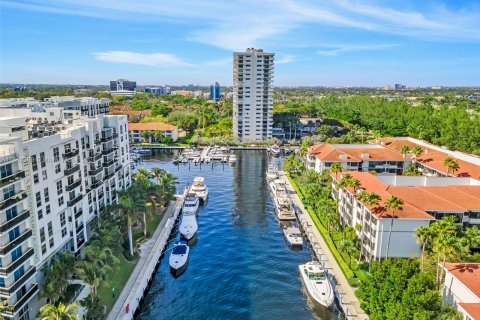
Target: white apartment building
53	186
462	288
252	95
426	199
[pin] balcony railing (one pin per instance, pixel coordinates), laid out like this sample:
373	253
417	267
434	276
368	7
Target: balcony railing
80	228
73	185
96	171
108	163
78	213
14	221
108	151
14	264
71	153
95	157
109	175
118	168
20	303
8	247
71	170
13	200
74	200
12	178
106	139
20	282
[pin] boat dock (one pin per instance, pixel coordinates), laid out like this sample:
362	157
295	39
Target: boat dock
345	294
151	252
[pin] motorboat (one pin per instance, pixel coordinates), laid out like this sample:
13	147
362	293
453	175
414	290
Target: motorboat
272	172
283	204
188	227
191	204
184	159
176	160
293	236
316	280
179	258
274	150
206	159
199	188
224	159
196	160
232	159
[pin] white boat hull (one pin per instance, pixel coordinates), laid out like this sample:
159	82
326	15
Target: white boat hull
188	227
321	291
178	262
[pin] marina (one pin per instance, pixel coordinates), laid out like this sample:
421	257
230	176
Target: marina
240	265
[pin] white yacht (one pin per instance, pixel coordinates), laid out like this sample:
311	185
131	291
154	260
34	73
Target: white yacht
190	206
315	278
179	258
293	236
283	205
188	227
232	159
274	150
272	172
199	188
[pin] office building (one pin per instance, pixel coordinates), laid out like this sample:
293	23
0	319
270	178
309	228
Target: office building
58	169
122	87
158	90
462	288
252	95
215	92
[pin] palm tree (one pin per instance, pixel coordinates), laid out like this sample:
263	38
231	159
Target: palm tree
370	199
336	168
128	207
451	164
93	274
60	312
344	181
348	247
394	204
355	184
424	234
472	235
148	192
447	246
142	173
404	150
417	151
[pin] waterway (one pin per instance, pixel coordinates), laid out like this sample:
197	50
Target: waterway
240	266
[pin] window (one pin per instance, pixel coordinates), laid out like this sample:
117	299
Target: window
14	233
17	253
60	201
34	163
47	209
44	174
44	248
19	273
52	243
40	214
6	170
2	282
38	198
64	232
57	168
42	235
42	159
46	195
11	213
50	229
59	187
35	178
62	219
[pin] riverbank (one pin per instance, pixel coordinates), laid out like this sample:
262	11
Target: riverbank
349	301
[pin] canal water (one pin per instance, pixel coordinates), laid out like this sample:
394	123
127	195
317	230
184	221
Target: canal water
240	266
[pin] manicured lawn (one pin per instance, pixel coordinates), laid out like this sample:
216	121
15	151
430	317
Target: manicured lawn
152	225
117	279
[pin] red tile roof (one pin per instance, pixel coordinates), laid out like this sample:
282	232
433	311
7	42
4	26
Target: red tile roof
466	273
152	126
473	310
331	153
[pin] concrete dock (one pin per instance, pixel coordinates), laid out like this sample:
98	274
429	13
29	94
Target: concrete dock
343	291
151	251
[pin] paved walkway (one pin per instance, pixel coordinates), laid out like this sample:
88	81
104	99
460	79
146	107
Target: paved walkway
149	253
349	301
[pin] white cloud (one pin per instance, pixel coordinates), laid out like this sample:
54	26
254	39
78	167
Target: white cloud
163	60
286	59
333	50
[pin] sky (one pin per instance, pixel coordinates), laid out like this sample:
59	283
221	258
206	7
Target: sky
316	42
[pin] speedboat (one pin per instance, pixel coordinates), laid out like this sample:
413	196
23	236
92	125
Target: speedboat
315	278
190	206
199	188
283	204
196	160
179	258
232	159
274	150
293	236
188	227
272	172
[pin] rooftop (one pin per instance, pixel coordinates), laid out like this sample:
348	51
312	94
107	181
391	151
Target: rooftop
466	273
151	126
473	309
354	153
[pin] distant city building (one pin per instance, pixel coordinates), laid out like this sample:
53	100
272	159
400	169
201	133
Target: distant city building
158	90
215	92
82	91
20	89
122	87
399	87
252	95
156	131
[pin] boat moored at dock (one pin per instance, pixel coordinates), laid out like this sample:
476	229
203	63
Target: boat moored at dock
191	204
317	282
283	205
188	227
179	258
293	236
274	150
272	172
199	188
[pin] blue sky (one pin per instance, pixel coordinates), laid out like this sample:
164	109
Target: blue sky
327	42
